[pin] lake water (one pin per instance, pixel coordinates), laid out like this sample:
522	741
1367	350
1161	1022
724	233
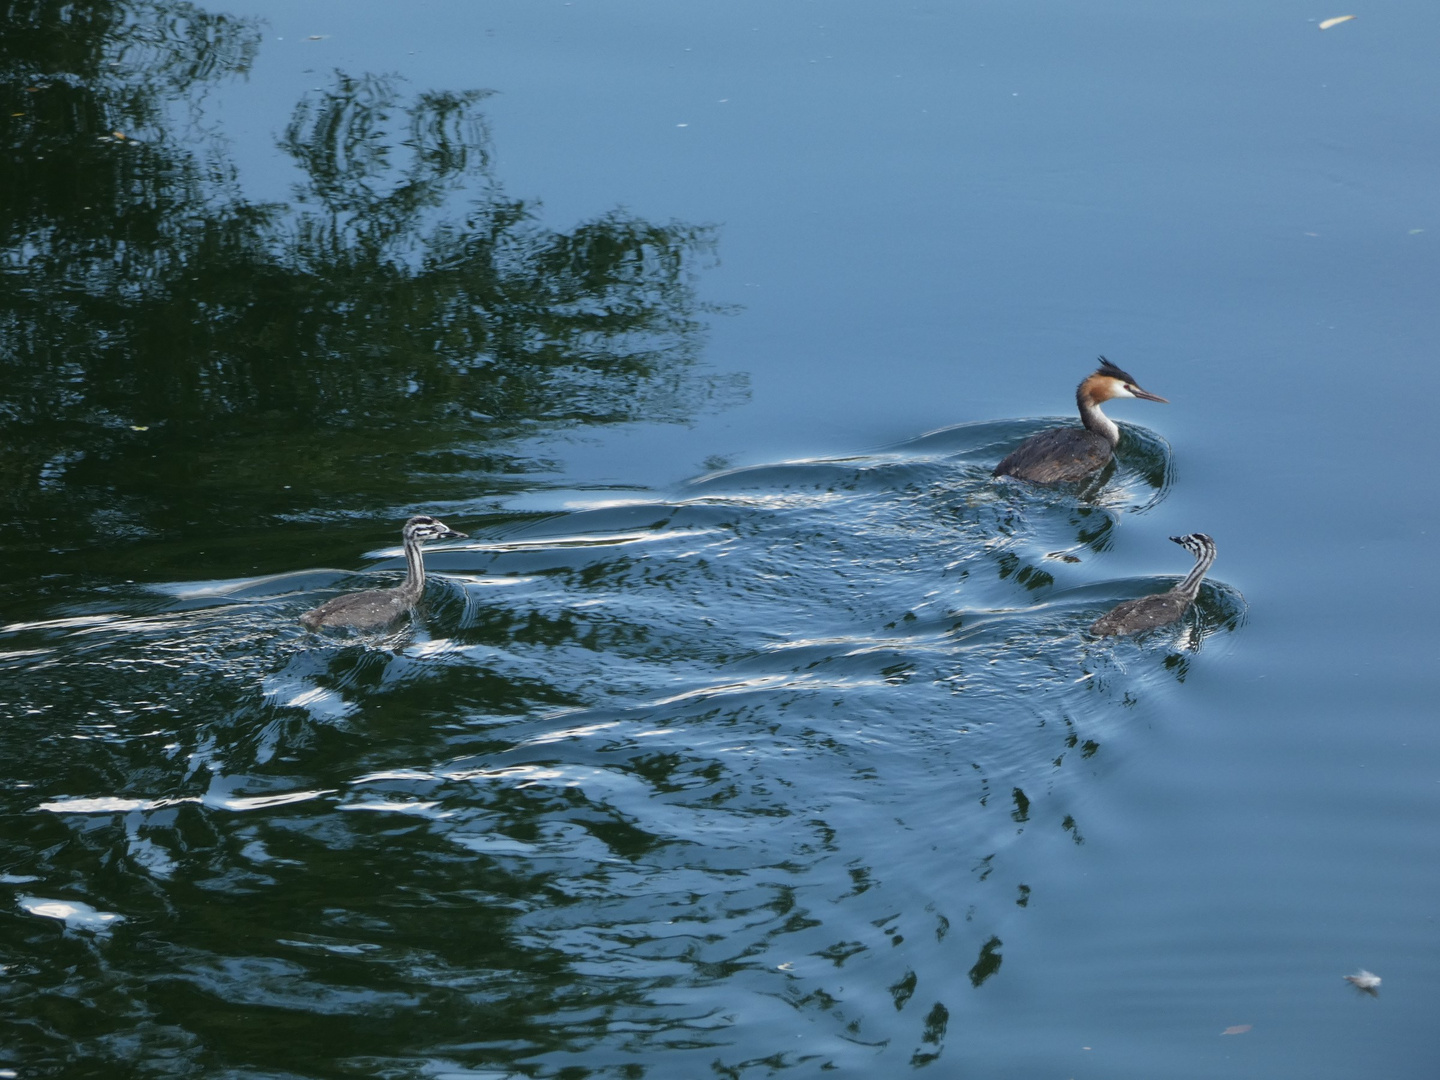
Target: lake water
754	731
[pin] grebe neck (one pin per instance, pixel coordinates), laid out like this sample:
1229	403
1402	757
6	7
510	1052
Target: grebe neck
1094	419
1190	587
414	569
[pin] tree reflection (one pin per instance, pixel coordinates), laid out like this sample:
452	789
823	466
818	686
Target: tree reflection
175	352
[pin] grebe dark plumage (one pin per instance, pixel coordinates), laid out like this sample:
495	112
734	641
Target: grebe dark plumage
1065	455
380	607
1160	609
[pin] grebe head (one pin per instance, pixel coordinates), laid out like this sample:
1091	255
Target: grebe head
422	527
1198	544
1110	381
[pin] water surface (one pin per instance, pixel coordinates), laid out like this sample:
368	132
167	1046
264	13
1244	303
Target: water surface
755	731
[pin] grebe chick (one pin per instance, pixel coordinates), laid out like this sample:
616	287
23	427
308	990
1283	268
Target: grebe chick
1160	609
1064	455
379	607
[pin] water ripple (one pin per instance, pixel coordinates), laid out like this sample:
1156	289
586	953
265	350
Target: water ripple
775	756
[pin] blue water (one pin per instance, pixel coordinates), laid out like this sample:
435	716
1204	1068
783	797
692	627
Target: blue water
755	730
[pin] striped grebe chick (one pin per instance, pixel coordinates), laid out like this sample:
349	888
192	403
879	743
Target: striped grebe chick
1160	609
1064	455
380	607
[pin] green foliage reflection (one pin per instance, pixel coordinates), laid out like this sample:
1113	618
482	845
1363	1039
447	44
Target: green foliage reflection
168	344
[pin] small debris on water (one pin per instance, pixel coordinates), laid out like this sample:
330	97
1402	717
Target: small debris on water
1237	1029
1364	980
73	913
1335	21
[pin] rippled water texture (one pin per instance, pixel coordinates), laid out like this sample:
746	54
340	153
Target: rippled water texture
737	775
753	731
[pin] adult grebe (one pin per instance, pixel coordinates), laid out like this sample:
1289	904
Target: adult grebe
379	607
1063	455
1160	609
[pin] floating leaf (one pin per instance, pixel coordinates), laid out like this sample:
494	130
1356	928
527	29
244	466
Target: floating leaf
1237	1029
1335	21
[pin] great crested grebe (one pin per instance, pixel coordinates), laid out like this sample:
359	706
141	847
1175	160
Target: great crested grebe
1160	609
379	607
1064	455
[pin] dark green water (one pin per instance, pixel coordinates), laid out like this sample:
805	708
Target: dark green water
754	731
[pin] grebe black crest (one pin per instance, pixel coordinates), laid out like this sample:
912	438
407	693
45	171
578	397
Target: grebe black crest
380	607
1065	455
1160	609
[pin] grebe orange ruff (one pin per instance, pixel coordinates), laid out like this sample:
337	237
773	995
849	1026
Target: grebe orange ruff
1065	455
